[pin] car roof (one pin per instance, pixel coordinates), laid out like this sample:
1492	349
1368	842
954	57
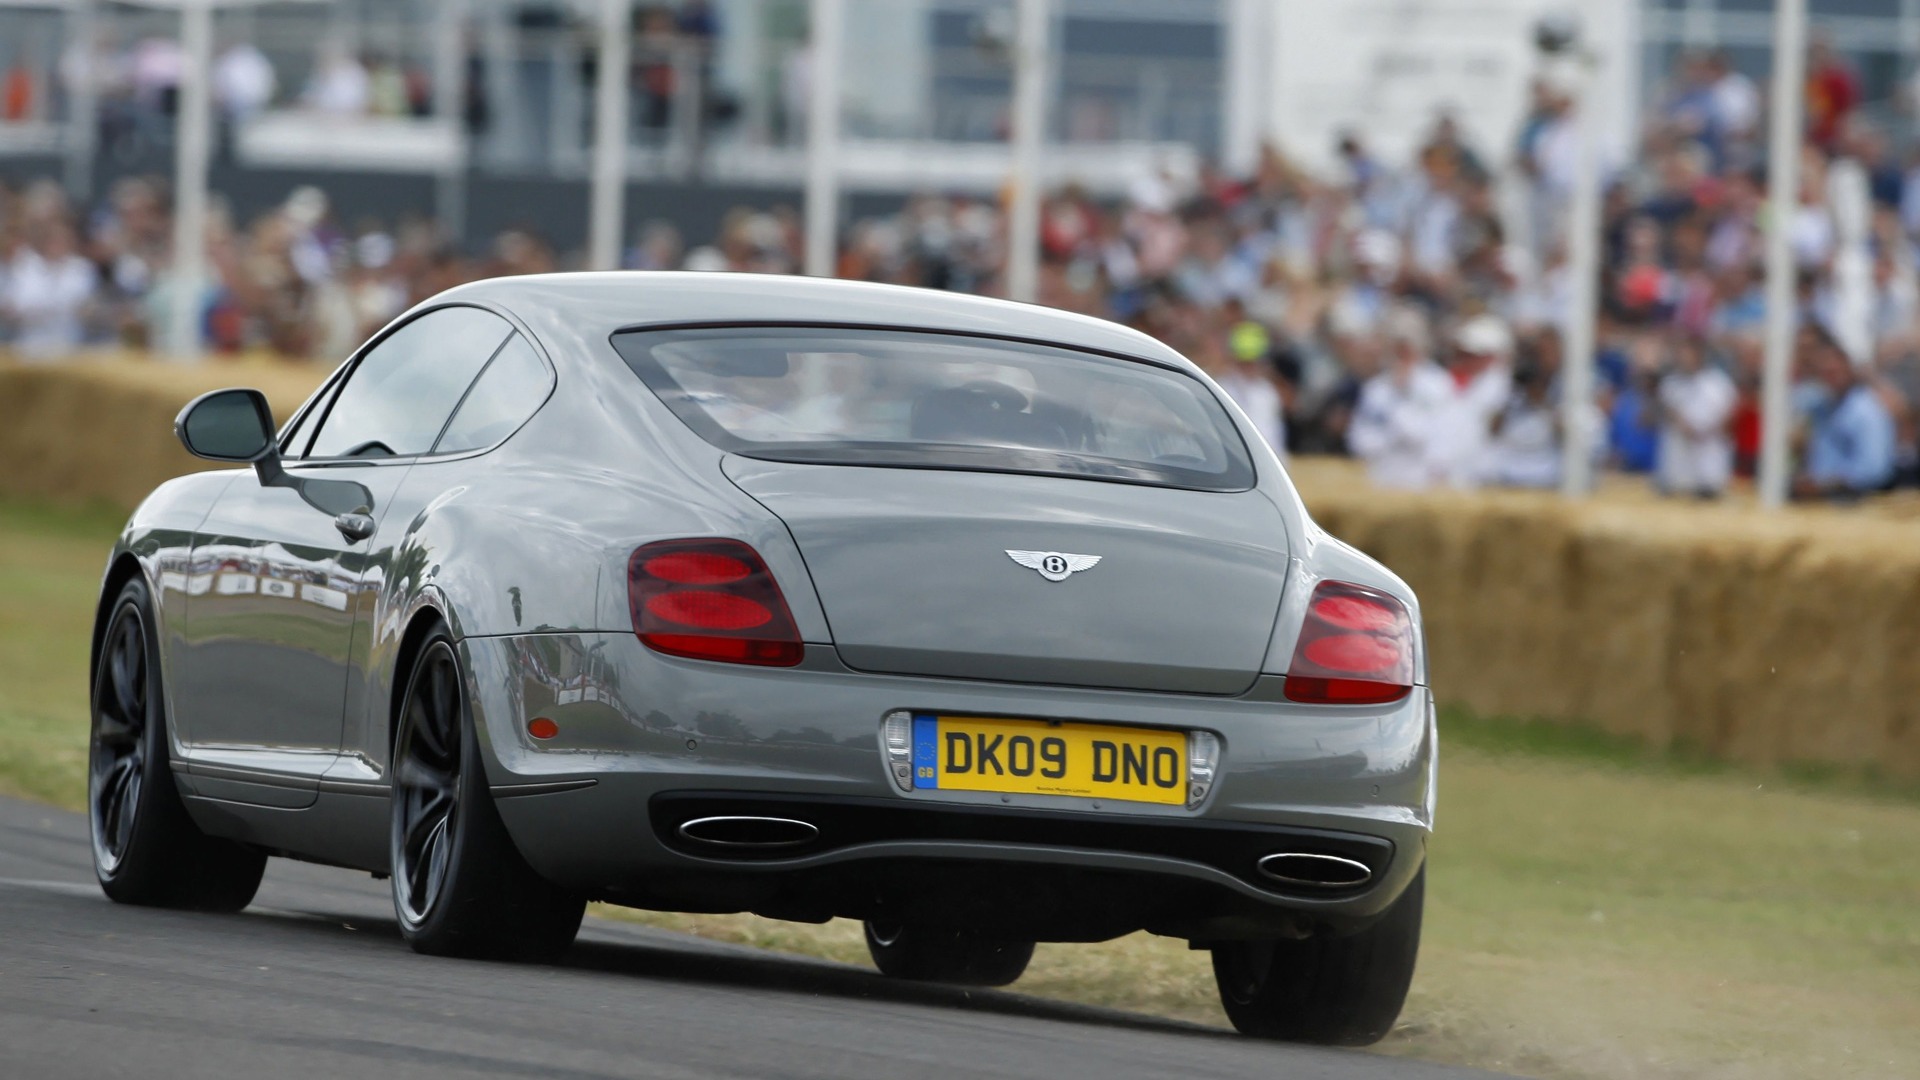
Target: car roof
597	304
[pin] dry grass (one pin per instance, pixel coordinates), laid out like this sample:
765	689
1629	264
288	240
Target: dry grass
50	567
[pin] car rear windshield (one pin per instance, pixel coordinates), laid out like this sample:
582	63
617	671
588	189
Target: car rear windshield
909	399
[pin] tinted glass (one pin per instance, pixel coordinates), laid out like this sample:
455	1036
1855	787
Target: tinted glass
295	444
508	392
896	398
228	426
399	396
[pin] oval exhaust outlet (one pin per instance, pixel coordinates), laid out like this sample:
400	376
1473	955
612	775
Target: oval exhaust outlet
741	831
1312	871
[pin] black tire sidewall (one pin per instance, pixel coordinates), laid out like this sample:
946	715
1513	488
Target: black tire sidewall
1344	990
142	853
491	904
168	861
434	924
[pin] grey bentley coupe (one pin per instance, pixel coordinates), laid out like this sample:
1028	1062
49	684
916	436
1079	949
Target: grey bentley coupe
981	623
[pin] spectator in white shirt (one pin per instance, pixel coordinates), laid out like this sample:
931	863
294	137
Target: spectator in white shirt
340	85
1526	439
1735	99
47	287
243	81
1479	384
1394	421
1696	402
1528	450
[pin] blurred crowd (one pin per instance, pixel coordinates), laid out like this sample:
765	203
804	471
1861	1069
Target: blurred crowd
292	280
1413	314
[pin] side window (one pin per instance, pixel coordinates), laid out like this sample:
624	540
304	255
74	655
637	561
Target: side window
502	399
295	444
399	396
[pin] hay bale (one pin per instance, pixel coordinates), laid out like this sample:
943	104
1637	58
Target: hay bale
100	430
1760	638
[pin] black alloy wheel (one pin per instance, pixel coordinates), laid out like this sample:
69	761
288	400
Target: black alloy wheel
117	763
460	886
426	785
146	849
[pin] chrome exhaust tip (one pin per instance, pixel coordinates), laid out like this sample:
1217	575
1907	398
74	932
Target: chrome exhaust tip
743	831
1305	870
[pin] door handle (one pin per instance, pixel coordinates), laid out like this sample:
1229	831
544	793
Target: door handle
355	527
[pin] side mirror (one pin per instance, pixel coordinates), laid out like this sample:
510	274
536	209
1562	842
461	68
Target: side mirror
227	425
237	426
234	426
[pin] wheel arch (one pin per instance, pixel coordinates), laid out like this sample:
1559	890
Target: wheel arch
421	623
125	567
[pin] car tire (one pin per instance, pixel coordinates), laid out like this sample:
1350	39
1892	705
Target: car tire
930	954
146	849
1334	990
460	886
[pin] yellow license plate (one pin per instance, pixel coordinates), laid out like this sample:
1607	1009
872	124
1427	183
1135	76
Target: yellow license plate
1033	757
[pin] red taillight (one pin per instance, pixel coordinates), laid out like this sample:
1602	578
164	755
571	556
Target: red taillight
697	568
710	600
709	610
1355	648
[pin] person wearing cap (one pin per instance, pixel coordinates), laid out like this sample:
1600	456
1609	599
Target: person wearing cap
1393	422
1479	387
1236	356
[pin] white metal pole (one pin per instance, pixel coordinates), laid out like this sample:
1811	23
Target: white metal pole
825	41
83	100
1245	105
1583	264
752	56
449	100
1029	132
192	141
689	105
1783	196
607	203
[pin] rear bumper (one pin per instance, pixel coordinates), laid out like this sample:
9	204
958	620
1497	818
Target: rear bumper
648	742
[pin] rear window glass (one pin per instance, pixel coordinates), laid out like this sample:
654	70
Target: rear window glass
940	401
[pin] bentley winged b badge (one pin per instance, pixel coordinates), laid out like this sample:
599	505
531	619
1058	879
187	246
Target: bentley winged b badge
1053	565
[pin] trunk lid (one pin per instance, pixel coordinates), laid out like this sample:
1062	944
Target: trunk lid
914	575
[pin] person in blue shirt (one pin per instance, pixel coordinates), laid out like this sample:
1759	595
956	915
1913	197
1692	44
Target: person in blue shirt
1850	441
1633	436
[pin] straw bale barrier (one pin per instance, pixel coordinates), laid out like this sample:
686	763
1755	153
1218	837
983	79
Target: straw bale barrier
1765	639
100	429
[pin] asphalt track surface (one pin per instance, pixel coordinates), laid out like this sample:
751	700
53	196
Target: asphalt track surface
313	981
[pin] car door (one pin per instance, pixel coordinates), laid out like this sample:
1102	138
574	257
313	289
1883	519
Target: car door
515	384
269	641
